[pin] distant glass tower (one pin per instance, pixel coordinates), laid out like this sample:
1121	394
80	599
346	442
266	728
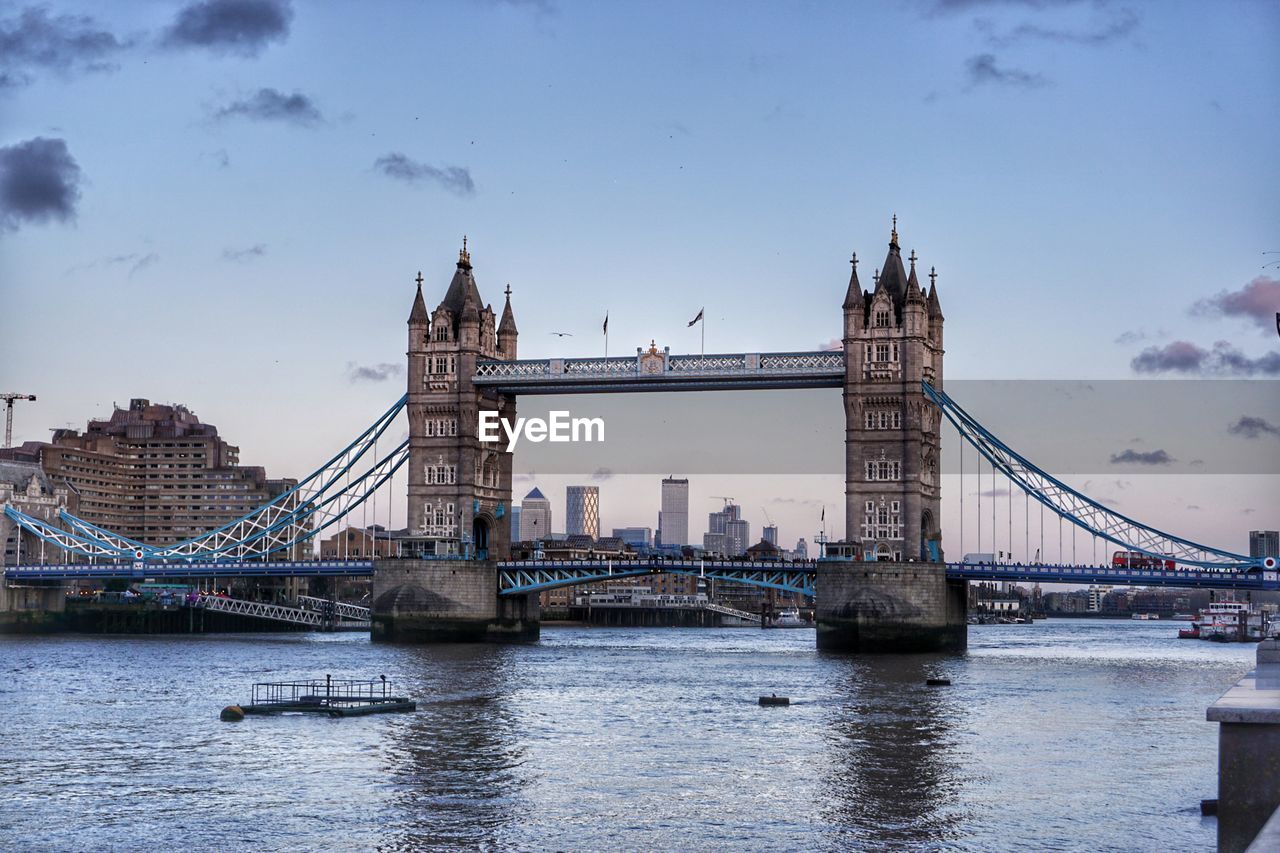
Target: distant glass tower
535	516
582	505
673	520
770	534
1264	543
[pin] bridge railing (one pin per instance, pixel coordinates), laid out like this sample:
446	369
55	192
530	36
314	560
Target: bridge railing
821	363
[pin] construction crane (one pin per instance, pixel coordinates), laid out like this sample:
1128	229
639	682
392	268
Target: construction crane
727	501
768	517
8	414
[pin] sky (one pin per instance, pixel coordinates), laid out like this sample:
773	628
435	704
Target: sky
224	203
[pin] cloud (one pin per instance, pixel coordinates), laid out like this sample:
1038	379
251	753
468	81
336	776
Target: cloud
273	105
455	179
1118	28
993	493
1250	426
833	345
1187	358
602	474
39	181
982	69
1193	507
242	27
1141	457
372	372
1258	301
66	44
219	157
248	254
943	7
142	263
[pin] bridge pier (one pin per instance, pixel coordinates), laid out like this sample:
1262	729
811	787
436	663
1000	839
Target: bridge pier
448	601
889	607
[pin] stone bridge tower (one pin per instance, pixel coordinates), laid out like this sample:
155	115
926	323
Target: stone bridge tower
892	341
459	488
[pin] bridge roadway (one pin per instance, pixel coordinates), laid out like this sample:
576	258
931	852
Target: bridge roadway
517	577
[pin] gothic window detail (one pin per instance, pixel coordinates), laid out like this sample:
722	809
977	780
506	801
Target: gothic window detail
441	475
883	469
882	319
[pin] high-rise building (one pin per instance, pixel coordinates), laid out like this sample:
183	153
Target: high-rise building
737	537
156	474
636	537
582	505
892	344
515	522
770	534
727	532
1264	543
673	520
535	516
802	550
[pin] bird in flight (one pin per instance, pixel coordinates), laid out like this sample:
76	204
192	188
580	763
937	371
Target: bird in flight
562	334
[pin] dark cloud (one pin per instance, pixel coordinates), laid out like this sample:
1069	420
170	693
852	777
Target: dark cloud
134	260
1193	507
39	181
142	262
945	7
248	254
602	474
455	179
1189	359
373	372
274	105
1120	27
1258	301
993	493
66	44
1250	426
1141	457
983	70
243	27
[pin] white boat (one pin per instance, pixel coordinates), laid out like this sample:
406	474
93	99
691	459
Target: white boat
789	618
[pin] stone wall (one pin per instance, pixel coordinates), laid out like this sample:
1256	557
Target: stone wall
442	601
889	607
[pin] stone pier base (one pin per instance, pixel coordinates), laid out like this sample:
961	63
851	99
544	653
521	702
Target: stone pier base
448	601
889	607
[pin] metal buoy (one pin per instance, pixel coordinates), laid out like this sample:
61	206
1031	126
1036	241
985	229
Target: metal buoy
232	714
938	682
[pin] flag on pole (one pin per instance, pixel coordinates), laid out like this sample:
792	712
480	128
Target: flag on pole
699	317
606	323
824	512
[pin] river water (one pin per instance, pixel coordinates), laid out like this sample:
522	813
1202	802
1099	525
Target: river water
1067	734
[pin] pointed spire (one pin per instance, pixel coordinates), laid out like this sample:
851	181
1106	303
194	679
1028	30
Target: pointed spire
418	314
893	234
853	296
914	291
508	324
464	257
935	306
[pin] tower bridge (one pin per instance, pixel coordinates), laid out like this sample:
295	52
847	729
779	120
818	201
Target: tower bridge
888	586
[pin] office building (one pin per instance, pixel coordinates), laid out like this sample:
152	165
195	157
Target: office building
535	516
1264	543
582	504
515	522
673	520
636	537
770	534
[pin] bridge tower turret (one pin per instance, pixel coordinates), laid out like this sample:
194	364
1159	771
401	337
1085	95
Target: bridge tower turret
459	487
892	341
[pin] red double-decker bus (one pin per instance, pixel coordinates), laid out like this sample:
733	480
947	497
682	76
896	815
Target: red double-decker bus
1139	560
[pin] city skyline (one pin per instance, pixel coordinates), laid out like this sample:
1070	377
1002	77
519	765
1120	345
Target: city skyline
228	272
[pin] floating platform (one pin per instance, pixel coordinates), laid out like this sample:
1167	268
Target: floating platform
333	698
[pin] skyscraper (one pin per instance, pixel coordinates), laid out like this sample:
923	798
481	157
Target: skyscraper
673	520
535	516
582	504
727	532
1264	543
770	534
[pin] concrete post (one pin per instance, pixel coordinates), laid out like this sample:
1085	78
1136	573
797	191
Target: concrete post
889	607
448	601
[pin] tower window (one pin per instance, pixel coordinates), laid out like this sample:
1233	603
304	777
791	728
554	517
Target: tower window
882	319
